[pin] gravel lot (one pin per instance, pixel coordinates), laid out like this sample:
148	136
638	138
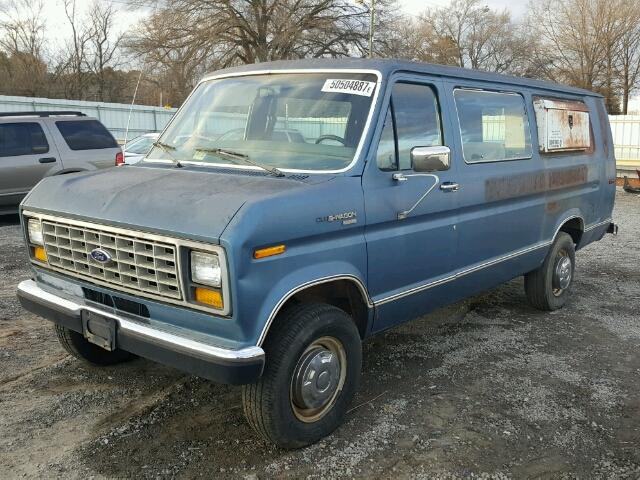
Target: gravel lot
487	388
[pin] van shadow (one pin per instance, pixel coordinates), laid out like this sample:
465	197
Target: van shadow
199	426
8	220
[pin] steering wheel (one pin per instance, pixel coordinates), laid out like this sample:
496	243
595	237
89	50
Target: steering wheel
331	137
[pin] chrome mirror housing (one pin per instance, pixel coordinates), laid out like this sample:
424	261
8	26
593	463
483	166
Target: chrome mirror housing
430	159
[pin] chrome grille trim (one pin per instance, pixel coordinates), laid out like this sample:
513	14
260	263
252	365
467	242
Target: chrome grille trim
145	265
178	243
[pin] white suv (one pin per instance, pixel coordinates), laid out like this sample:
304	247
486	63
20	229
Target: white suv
34	145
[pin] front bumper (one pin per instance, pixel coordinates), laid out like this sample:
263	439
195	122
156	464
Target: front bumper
139	336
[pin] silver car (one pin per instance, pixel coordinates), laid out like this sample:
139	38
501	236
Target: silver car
34	145
136	149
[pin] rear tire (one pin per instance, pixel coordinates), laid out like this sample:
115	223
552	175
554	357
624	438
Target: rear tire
547	287
78	346
314	357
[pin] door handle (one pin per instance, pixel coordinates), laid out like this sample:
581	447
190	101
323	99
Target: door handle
449	187
47	160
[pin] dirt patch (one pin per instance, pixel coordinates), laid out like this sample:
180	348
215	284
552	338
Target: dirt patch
486	388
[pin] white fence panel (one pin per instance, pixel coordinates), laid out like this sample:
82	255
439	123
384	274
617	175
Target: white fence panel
113	115
626	140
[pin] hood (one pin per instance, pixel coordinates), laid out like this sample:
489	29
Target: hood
188	203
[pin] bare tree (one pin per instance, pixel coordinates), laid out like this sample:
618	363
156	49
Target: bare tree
465	34
183	38
72	68
22	41
414	39
584	42
251	31
104	44
172	62
629	53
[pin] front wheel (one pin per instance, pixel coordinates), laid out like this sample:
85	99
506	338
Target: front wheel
547	287
314	357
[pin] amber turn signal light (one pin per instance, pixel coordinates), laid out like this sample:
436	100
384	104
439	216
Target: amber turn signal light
209	297
269	251
39	254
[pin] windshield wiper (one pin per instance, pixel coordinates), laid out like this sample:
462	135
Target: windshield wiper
168	149
242	157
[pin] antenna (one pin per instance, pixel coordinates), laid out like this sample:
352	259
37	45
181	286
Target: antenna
133	101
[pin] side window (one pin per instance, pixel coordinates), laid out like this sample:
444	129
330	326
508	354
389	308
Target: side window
563	125
493	126
417	119
414	115
22	139
86	135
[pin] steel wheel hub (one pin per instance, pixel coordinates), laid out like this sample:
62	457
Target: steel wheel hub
562	273
318	379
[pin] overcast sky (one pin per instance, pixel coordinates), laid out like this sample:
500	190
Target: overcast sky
517	7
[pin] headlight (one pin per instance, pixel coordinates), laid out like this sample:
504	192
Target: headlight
205	269
34	229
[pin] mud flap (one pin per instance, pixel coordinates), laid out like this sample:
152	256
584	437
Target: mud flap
99	330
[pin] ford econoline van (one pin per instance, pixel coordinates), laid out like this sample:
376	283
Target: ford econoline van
252	257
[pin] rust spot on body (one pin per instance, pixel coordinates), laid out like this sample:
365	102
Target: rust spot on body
531	183
552	207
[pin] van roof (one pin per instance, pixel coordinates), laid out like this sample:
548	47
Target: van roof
389	66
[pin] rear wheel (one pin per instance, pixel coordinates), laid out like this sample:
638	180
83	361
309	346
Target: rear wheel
547	288
78	346
314	356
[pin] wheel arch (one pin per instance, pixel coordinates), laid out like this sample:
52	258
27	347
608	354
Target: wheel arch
345	291
574	225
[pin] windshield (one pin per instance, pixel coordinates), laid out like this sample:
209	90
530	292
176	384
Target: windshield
140	145
299	121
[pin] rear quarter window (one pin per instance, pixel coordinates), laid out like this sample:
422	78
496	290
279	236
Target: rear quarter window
86	135
563	125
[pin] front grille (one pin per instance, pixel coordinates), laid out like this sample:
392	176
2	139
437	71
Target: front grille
136	264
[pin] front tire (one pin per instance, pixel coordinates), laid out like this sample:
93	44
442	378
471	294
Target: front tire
314	358
547	287
78	346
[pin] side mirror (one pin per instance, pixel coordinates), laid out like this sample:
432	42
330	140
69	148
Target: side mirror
430	159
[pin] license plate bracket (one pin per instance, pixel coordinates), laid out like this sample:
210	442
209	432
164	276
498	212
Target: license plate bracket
99	329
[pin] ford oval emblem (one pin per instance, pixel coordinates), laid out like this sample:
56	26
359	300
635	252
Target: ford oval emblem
100	255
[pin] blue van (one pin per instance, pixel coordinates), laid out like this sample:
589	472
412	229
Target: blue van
290	210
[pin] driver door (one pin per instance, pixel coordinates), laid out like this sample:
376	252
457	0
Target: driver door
410	251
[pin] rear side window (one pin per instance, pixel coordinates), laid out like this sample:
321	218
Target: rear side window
493	126
22	139
86	135
563	125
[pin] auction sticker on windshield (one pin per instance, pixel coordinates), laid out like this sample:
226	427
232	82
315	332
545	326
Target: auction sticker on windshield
354	87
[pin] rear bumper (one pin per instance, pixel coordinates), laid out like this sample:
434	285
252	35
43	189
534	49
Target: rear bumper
140	337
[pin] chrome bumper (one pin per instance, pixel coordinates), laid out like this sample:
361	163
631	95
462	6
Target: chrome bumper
209	361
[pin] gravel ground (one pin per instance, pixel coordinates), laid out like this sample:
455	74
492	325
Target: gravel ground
486	388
